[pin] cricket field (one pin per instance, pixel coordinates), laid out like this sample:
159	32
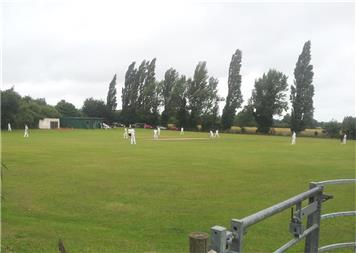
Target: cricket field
98	193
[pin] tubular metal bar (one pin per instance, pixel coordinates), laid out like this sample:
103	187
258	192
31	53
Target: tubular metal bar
312	240
338	214
296	240
336	181
337	246
261	215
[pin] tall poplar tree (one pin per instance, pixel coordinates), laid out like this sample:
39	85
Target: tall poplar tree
211	105
179	99
234	96
196	93
167	92
302	92
129	95
149	95
111	98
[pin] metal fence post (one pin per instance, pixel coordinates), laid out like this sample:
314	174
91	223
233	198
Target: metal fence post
237	228
312	240
218	239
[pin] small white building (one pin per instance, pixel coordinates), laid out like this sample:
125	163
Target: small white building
48	123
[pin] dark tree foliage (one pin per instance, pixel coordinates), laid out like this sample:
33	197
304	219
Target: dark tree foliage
234	96
196	100
10	105
19	111
67	109
210	116
268	99
245	118
49	111
141	75
285	122
29	114
148	98
179	99
111	97
140	96
94	108
349	127
117	116
129	95
196	93
111	101
302	92
185	102
167	88
332	128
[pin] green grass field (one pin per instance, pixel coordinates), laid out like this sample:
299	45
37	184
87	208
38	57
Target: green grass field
98	193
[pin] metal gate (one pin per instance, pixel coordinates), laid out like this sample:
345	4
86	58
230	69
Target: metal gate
225	241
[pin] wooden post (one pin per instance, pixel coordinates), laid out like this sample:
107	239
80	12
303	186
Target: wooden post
61	246
198	242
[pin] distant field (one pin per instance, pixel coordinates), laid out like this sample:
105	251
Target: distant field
100	194
316	132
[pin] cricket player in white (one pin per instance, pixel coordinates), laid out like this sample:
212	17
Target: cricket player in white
158	131
26	131
344	139
217	133
130	132
126	135
133	137
211	134
294	138
155	134
9	127
181	130
105	126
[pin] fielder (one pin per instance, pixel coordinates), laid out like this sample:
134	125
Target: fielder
26	132
126	135
130	132
158	131
105	126
9	127
182	131
155	134
211	134
133	137
294	138
217	133
344	139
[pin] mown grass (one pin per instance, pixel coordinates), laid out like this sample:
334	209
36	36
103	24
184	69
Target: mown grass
100	194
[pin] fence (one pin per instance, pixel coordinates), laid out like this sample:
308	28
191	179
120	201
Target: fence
225	241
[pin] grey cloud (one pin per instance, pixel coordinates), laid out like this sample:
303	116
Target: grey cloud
48	44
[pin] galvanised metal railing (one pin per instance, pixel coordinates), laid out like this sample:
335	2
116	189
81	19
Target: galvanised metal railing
224	241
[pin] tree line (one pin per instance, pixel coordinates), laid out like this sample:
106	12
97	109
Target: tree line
194	101
185	102
189	102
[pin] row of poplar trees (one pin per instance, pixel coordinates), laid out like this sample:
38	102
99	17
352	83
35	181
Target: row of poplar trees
190	102
186	102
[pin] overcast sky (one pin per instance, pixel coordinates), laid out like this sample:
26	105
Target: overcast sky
71	49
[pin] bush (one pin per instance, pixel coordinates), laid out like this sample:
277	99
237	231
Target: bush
332	128
349	127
